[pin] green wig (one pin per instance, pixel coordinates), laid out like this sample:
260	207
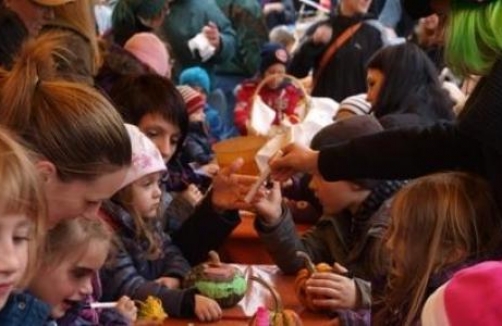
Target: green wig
474	37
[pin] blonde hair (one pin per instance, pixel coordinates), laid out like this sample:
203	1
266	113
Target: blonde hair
438	221
73	236
144	231
79	15
69	124
20	193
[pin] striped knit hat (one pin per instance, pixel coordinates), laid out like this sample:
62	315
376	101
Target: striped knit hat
356	104
193	99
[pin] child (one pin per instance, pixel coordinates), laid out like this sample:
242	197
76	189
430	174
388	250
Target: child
214	101
197	147
278	93
156	107
440	223
21	232
350	230
67	280
148	263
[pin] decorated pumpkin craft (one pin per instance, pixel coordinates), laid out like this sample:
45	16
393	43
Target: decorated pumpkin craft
278	316
222	282
151	311
302	277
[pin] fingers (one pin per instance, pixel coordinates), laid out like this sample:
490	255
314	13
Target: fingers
340	269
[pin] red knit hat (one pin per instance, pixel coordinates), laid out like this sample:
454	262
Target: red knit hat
193	99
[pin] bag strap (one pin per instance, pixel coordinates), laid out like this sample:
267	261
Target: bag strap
333	47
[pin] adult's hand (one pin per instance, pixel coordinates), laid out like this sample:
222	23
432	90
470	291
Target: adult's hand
295	159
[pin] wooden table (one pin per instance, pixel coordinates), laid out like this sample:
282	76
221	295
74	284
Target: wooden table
244	246
257	296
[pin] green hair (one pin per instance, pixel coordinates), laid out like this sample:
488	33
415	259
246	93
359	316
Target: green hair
474	37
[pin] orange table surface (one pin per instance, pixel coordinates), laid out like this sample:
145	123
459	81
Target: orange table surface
257	295
244	247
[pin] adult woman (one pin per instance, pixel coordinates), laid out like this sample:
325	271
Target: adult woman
404	89
471	144
77	138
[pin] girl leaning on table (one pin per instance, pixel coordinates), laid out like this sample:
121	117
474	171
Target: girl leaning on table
147	262
67	279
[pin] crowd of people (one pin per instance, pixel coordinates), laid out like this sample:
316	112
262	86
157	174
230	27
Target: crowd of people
108	114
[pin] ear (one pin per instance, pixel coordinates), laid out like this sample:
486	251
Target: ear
47	170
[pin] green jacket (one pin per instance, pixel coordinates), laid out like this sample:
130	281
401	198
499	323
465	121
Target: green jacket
249	25
185	20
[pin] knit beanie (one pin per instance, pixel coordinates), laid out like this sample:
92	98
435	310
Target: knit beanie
356	104
344	131
472	297
196	77
150	50
193	99
422	8
272	53
146	158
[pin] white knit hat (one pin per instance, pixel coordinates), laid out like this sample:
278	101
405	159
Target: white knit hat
356	104
146	158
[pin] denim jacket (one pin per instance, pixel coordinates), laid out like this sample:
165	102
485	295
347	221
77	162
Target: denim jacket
24	309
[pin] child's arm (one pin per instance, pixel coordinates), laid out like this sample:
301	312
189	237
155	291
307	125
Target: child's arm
135	278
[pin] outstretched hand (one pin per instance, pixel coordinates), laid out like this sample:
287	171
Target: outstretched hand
295	159
230	188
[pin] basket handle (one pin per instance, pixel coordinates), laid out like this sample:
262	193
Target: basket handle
295	80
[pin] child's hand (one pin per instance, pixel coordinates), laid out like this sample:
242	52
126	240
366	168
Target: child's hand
210	169
333	290
268	204
127	308
170	282
192	195
207	309
229	188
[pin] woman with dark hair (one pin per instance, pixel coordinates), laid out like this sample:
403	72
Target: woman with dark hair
404	89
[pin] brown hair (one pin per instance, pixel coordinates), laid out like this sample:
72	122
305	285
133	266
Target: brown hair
438	221
20	193
68	124
73	236
144	232
79	16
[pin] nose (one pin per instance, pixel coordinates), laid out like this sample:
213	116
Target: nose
9	259
165	147
157	193
86	288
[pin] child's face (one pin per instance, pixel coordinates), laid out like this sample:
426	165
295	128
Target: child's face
70	282
146	195
276	69
79	197
16	230
333	196
164	134
197	116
